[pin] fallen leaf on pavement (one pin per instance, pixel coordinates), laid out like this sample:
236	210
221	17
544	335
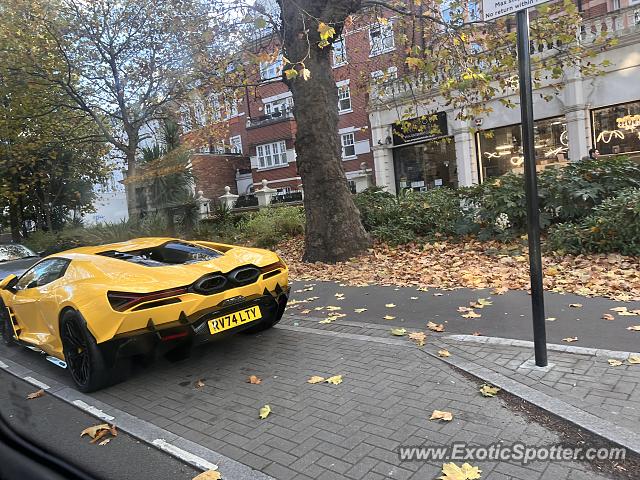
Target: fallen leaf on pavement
444	353
435	327
465	309
389	317
418	338
422	289
93	431
399	332
440	415
627	313
471	314
113	431
489	390
100	435
634	328
453	472
38	394
208	475
199	384
476	334
254	380
339	295
570	339
614	363
575	305
319	308
332	308
335	380
265	411
413	298
360	310
618	309
551	319
315	379
328	320
390	305
438	294
305	312
634	359
499	291
608	316
104	442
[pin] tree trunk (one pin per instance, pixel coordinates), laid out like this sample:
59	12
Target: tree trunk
334	231
130	187
14	221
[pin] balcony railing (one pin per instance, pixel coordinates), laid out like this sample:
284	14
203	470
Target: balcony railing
616	24
275	117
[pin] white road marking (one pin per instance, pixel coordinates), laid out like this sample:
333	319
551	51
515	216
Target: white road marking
37	383
3	365
184	455
93	410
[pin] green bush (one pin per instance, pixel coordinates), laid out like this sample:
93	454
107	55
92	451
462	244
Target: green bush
269	226
613	226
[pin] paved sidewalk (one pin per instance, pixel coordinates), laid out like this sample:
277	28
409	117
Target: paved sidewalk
347	431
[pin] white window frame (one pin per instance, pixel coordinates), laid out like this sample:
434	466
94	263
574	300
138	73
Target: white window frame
185	118
235	144
280	105
379	76
214	101
272	155
344	94
271	70
348	140
338	61
384	42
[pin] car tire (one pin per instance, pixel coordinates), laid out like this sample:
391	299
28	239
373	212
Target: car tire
85	362
8	337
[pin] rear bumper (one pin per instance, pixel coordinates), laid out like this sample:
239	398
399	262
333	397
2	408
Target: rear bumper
191	330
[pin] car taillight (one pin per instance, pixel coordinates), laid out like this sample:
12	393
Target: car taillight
121	301
274	266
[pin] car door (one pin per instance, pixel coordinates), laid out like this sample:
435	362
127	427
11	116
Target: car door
34	295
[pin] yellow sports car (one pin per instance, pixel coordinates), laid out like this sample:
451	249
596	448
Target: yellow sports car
91	306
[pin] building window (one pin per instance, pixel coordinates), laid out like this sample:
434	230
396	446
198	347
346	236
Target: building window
344	99
425	166
231	108
381	38
500	149
339	52
185	119
235	144
271	70
616	129
272	154
380	76
348	145
352	186
278	107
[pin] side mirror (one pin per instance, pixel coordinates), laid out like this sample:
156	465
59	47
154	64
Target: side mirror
9	282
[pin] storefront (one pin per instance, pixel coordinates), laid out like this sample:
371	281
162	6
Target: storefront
616	129
424	155
500	149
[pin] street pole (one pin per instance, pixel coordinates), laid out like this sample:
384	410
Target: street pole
531	188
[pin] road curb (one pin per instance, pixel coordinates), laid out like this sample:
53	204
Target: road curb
559	408
185	450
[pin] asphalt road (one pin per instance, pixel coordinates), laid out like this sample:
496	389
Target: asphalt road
508	317
56	426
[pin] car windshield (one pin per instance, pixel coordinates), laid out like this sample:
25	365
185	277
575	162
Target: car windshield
14	252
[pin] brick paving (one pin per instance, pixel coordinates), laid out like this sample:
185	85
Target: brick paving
346	431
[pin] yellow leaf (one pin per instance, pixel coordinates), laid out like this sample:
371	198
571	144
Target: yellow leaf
551	319
323	43
305	73
614	363
418	337
328	320
500	291
634	359
305	312
360	310
290	73
93	431
575	305
444	353
315	379
104	442
326	31
383	21
634	328
489	390
435	327
199	384
38	394
335	380
208	475
332	308
440	415
452	472
254	380
265	411
471	314
399	332
608	316
389	317
414	298
390	305
570	339
618	309
484	302
340	296
416	63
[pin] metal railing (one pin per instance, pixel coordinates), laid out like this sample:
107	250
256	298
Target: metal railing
275	117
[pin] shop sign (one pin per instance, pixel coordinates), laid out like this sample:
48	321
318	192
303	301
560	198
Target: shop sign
628	122
420	129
